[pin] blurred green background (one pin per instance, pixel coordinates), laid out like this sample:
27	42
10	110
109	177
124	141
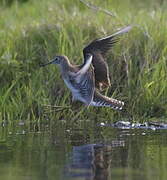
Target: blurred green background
33	31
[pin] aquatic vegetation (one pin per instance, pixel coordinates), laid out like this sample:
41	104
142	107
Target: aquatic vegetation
33	32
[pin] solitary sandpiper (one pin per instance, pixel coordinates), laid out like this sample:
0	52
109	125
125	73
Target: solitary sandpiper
84	80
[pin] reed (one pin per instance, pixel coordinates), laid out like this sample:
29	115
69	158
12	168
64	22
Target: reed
33	32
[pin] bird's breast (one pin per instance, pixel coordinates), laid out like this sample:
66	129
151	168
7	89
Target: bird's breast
70	85
75	91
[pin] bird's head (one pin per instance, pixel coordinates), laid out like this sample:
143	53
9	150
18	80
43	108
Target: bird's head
60	60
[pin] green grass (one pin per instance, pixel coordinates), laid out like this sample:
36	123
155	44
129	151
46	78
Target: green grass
32	32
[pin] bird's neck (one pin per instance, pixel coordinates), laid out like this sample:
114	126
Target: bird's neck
65	67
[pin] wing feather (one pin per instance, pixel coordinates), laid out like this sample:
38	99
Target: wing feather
86	66
99	48
84	80
103	45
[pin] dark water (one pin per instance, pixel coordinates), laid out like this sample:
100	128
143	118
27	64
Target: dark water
98	153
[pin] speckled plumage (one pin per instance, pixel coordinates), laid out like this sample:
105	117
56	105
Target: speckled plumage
84	79
79	79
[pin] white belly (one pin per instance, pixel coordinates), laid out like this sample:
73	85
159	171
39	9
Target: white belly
75	92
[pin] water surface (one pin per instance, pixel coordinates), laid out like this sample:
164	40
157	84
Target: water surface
102	153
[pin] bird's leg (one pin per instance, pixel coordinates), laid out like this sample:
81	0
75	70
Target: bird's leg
75	103
73	99
100	87
86	105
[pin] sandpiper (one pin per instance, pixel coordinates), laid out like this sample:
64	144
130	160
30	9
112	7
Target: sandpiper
79	79
83	80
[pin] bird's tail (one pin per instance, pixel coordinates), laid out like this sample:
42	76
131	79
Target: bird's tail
101	100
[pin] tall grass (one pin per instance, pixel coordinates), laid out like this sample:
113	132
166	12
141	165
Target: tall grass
35	31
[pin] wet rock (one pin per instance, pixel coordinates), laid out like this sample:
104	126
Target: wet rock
146	125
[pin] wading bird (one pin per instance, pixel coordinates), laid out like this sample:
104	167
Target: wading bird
83	80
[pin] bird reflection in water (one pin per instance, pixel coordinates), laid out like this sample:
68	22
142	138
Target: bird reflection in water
92	161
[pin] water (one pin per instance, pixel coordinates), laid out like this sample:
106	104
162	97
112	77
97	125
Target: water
95	153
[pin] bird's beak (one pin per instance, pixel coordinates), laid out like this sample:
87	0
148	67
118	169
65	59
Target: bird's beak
43	65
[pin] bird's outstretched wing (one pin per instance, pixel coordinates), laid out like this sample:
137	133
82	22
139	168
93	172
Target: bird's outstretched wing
103	45
86	65
99	48
84	81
